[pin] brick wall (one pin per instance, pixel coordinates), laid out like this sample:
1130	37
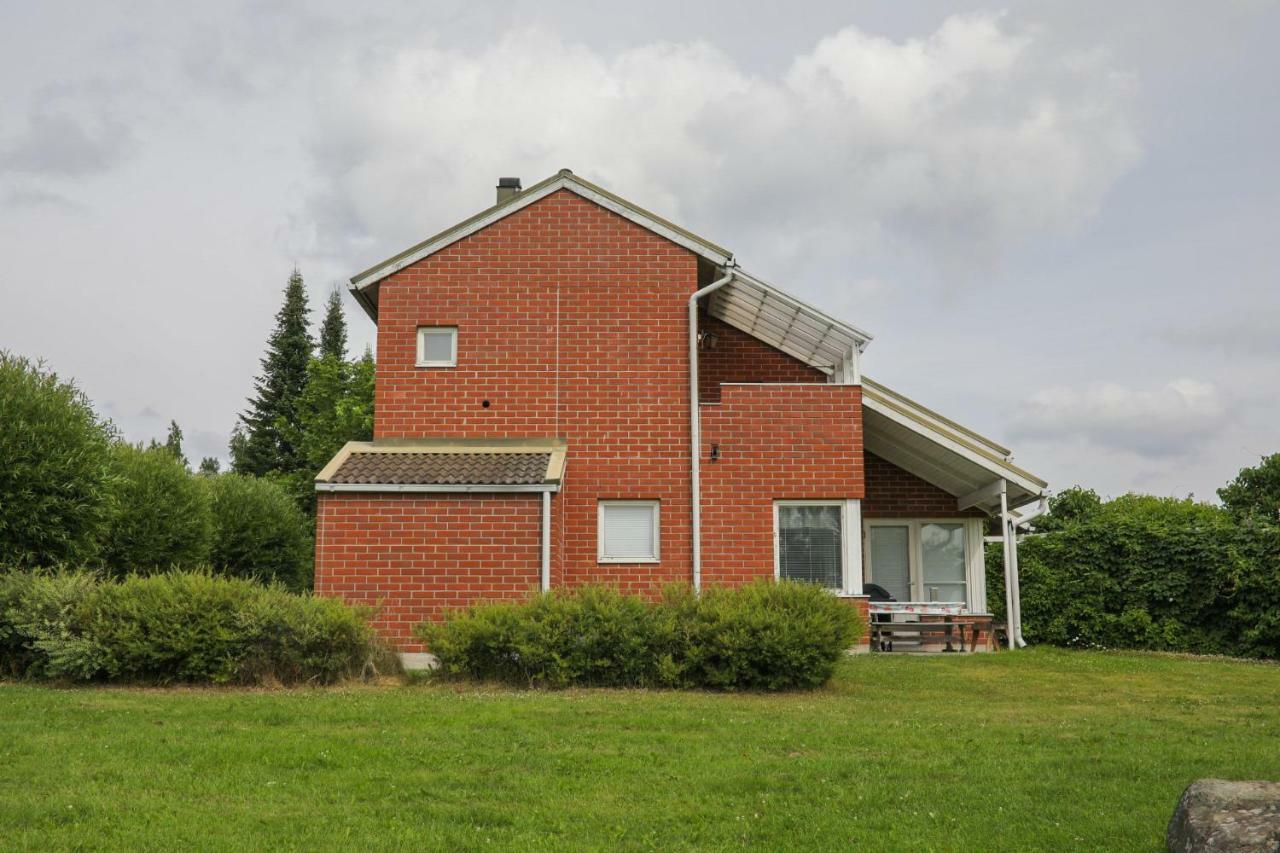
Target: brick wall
572	323
738	357
895	493
413	557
776	442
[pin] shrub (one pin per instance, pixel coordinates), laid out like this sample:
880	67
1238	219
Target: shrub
258	531
161	516
1147	573
765	636
37	619
55	477
177	627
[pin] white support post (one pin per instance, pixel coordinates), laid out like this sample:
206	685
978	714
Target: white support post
853	547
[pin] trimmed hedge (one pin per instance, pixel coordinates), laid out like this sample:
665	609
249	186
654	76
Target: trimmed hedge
1148	573
763	636
187	627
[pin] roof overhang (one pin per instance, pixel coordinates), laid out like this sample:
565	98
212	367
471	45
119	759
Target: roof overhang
330	478
364	286
972	468
772	315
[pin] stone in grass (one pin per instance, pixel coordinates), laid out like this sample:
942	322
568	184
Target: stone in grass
1218	815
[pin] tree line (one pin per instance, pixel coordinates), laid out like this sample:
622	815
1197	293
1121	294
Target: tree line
74	493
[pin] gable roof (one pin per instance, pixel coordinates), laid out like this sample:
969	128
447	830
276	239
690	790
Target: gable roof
941	451
364	285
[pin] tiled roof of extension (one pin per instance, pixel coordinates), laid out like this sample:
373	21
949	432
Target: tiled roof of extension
445	465
443	468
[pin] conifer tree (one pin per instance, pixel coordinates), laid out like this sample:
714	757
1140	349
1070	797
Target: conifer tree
173	443
209	466
272	416
333	330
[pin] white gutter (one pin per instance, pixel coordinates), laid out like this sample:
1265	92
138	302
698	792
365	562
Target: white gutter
695	424
546	541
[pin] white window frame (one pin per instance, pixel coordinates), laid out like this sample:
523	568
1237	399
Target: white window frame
655	504
975	575
850	542
422	333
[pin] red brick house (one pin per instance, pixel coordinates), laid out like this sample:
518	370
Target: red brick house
546	370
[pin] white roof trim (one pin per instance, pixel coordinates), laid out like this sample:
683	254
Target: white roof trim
953	441
784	322
564	180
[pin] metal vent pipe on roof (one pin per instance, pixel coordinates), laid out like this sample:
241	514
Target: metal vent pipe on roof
508	188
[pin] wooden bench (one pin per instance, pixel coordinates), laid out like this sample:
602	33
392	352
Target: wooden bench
884	633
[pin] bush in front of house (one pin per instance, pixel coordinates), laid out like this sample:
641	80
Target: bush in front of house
176	627
160	516
259	531
763	636
55	476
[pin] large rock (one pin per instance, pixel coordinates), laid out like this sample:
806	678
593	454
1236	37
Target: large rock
1217	815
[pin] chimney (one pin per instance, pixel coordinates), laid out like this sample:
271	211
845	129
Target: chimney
508	188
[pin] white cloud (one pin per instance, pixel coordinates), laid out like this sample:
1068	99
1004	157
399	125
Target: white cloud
1172	420
959	145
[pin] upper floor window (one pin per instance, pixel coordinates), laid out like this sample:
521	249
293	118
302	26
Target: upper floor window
437	346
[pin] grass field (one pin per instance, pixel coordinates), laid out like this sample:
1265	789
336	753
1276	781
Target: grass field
1041	749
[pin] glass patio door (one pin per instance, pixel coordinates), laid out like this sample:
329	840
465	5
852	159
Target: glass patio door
889	553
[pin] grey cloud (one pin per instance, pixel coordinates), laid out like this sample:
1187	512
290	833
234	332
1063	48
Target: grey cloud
1169	421
59	142
1253	334
961	144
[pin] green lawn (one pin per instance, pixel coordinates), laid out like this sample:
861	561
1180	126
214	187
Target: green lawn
1041	749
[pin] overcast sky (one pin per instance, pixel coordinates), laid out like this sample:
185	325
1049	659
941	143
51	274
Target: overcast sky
1061	221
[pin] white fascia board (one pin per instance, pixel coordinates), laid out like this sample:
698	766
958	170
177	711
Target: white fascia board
951	444
523	200
437	487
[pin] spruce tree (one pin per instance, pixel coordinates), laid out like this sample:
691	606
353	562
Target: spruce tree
272	416
173	443
333	330
209	466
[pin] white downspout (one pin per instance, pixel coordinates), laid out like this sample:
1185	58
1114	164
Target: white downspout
546	541
695	425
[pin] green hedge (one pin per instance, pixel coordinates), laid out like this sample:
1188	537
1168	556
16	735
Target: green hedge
764	636
176	627
1149	574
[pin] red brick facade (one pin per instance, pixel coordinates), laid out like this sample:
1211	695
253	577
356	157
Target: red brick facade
414	557
895	493
775	442
572	323
738	357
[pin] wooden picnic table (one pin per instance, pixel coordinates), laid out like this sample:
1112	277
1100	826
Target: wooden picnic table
919	630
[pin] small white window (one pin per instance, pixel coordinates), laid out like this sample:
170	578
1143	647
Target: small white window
437	346
628	532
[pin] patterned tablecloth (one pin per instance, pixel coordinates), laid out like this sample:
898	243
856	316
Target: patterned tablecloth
924	608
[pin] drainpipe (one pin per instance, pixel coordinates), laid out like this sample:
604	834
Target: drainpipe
546	541
695	423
